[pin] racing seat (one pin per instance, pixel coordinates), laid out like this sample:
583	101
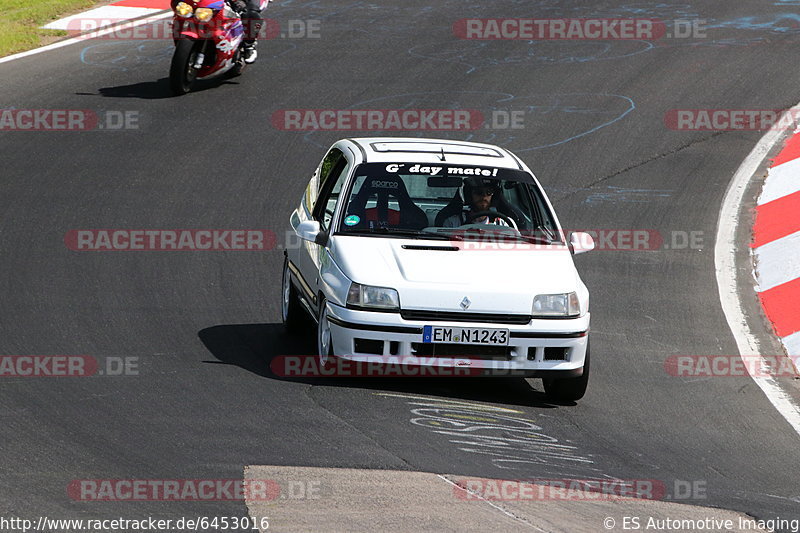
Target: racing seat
409	216
454	207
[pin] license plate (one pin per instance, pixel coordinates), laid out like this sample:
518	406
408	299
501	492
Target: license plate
438	334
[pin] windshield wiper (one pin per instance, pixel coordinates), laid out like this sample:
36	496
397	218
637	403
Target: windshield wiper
538	240
501	234
550	234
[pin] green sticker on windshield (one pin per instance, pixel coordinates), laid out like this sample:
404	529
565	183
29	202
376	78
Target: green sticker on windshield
352	220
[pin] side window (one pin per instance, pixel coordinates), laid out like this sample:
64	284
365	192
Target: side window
332	199
310	196
519	197
542	219
332	173
329	164
319	178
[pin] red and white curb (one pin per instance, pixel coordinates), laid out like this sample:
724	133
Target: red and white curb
728	273
110	14
776	245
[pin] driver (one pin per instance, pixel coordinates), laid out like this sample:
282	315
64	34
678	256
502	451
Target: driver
478	192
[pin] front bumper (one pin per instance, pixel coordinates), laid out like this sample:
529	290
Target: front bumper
550	348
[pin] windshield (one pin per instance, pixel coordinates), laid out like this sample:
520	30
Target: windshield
442	200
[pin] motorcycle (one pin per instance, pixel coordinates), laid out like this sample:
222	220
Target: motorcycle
209	38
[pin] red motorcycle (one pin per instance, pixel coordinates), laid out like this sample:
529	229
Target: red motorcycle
208	37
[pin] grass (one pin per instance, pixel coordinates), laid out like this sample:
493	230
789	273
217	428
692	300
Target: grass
20	22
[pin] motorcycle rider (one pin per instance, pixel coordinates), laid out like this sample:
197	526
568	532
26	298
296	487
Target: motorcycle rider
251	20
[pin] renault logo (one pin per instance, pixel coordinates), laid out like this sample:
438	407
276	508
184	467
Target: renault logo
465	303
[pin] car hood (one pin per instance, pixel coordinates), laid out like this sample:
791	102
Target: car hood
431	274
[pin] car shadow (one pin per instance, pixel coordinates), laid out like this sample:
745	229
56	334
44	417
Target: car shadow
254	347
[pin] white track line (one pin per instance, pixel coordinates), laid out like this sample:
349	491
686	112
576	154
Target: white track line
725	264
494	505
84	38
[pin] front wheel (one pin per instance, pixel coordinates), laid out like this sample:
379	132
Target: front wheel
181	71
324	340
291	310
238	65
569	389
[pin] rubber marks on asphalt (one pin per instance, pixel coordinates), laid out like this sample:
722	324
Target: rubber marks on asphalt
776	243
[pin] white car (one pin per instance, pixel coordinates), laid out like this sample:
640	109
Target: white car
438	252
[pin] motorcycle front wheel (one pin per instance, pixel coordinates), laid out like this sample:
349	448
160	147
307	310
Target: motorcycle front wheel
182	72
238	65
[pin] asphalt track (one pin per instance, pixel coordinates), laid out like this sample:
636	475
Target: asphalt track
204	325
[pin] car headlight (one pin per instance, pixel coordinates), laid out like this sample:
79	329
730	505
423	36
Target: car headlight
182	9
556	305
373	297
203	14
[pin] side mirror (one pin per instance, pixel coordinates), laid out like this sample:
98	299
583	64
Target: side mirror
580	242
309	230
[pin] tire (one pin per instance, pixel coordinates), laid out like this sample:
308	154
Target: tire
238	66
181	71
291	309
569	389
324	339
